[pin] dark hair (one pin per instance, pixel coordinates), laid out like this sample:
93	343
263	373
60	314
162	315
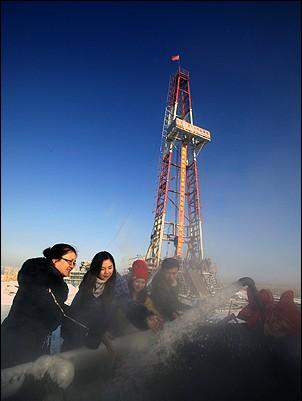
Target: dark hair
90	277
58	250
170	263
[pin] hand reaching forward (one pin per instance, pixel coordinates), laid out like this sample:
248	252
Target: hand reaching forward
155	323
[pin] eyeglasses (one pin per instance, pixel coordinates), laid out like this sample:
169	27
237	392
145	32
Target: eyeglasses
70	262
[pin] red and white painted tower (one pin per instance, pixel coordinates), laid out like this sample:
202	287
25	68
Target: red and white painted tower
177	229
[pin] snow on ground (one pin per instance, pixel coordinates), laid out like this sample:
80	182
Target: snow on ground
72	290
9	290
4	311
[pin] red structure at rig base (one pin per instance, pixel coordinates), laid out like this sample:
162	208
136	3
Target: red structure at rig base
177	229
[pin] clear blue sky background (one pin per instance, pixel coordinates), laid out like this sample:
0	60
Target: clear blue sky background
84	87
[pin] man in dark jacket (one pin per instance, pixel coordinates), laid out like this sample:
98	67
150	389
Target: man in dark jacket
165	290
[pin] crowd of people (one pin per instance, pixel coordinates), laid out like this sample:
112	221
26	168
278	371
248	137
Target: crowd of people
106	304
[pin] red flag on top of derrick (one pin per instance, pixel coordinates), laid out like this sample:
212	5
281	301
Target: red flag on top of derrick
175	57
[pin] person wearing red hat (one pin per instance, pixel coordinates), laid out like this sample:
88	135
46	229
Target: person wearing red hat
137	284
137	281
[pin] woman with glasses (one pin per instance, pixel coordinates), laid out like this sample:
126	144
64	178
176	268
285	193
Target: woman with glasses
101	292
38	307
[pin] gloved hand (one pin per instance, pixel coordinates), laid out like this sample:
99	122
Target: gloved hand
155	323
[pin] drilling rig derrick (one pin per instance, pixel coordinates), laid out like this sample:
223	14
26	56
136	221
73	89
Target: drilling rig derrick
177	219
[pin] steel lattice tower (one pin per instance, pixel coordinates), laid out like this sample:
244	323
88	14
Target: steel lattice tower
178	215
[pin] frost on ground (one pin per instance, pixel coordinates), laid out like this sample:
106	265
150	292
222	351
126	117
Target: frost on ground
4	311
72	290
9	290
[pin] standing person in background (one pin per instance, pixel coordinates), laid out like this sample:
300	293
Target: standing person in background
165	290
37	307
100	293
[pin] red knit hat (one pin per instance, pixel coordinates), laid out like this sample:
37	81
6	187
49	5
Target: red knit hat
139	269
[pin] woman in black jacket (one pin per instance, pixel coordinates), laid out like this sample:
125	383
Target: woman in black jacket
38	306
94	307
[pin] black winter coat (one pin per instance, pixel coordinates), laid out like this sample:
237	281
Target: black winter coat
34	314
165	297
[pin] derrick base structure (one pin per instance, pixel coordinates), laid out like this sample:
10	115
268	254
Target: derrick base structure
177	228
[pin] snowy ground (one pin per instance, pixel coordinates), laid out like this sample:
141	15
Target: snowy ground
9	289
4	311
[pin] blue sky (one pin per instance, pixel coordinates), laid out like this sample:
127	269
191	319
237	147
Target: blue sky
84	87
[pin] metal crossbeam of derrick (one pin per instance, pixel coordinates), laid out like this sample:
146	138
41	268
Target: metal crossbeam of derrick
178	220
